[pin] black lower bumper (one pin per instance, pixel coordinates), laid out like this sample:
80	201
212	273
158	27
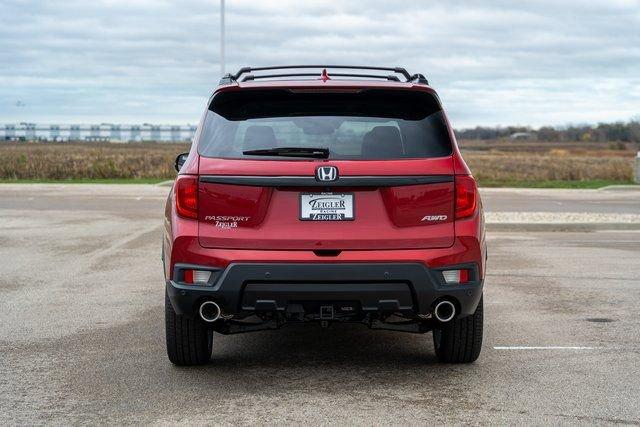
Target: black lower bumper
369	287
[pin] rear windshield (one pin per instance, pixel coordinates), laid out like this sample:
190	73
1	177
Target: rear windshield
352	125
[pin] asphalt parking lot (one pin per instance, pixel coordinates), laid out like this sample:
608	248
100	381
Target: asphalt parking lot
82	330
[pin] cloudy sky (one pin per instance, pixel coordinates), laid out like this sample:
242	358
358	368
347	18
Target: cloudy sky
493	62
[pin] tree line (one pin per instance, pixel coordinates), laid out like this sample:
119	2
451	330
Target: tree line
603	132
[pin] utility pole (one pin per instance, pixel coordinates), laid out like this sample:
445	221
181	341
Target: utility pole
222	37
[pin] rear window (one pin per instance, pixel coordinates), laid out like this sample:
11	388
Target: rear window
352	125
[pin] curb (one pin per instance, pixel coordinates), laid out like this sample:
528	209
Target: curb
572	227
630	187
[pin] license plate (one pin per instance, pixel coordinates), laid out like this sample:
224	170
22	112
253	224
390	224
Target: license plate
326	207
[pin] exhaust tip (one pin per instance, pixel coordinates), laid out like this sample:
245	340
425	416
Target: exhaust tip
445	311
210	311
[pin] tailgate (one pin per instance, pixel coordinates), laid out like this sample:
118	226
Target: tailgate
408	205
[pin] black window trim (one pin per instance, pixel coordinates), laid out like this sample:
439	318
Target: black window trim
342	181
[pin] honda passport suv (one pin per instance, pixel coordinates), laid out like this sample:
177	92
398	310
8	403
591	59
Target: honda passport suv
323	194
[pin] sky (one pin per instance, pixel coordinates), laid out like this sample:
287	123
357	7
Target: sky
493	62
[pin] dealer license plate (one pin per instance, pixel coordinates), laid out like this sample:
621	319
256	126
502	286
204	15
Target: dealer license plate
326	207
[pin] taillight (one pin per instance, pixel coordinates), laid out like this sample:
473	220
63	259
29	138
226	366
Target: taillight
454	277
186	191
466	196
197	276
188	276
419	205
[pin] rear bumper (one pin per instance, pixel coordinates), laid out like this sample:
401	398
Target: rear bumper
375	287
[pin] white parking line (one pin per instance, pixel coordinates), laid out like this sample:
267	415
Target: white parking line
545	348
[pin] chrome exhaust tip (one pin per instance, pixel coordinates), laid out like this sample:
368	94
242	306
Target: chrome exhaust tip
444	311
210	311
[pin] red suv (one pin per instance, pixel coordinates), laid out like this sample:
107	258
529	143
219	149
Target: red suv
315	196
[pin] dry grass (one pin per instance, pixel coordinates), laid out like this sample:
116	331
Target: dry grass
496	163
509	161
613	148
508	167
65	161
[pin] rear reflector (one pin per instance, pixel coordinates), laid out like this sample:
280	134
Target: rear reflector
464	276
186	193
466	196
188	276
197	276
454	277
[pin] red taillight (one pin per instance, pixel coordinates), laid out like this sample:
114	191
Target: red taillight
188	276
194	277
464	276
413	205
454	277
466	196
187	196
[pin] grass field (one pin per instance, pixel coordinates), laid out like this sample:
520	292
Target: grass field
88	161
493	163
549	164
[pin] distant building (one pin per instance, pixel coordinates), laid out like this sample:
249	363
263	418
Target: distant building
74	133
134	133
523	136
9	132
54	133
96	133
29	130
114	133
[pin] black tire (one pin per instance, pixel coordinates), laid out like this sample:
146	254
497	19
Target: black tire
189	342
460	340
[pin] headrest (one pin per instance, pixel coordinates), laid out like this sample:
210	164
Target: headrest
259	138
382	142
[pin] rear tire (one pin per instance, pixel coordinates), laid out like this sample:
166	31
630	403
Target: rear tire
460	340
189	342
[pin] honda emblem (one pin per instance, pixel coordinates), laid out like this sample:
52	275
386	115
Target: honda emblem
327	173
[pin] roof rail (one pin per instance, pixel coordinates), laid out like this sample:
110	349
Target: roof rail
246	71
249	77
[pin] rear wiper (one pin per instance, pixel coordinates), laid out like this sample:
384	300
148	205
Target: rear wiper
316	153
